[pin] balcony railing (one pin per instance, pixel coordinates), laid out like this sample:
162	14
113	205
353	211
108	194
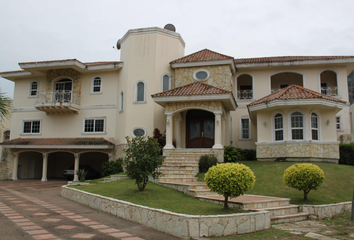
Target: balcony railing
244	94
58	101
330	91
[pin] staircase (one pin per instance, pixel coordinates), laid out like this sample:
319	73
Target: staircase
180	167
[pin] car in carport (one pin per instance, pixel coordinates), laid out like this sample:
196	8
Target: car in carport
91	173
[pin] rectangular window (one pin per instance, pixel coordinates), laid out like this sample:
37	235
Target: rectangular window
31	126
338	125
245	128
278	125
94	125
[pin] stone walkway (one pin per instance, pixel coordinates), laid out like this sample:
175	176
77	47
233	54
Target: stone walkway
34	218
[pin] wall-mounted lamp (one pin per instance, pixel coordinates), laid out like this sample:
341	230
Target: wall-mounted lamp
264	124
328	122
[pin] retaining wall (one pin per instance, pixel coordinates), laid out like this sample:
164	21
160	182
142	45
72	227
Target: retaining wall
325	211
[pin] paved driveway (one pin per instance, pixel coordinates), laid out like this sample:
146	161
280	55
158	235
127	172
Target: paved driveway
31	209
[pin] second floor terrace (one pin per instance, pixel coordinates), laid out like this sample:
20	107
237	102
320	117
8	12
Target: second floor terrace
57	102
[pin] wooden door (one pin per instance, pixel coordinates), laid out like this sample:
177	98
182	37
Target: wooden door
200	129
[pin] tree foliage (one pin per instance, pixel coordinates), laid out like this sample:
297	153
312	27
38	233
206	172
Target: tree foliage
232	154
112	167
142	160
230	180
304	177
5	106
207	161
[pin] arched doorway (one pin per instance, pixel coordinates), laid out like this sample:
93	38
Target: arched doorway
200	129
63	90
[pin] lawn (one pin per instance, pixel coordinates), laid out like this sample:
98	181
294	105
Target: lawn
337	187
156	196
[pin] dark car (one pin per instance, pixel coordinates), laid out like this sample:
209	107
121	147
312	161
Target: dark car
91	173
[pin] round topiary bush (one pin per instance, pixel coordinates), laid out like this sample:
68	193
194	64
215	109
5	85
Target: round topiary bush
230	180
303	177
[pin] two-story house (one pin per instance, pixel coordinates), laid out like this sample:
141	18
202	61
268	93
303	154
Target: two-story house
67	112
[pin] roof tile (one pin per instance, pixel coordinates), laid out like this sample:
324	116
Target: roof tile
293	92
202	56
288	59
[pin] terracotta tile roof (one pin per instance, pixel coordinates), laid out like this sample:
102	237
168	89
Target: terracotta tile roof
202	56
192	89
99	63
51	61
58	141
294	92
288	59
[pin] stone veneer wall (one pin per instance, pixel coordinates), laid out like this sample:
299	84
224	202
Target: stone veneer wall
325	211
119	151
6	166
182	225
346	138
211	105
306	151
220	76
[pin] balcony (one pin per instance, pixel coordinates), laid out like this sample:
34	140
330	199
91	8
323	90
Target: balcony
330	91
58	102
244	94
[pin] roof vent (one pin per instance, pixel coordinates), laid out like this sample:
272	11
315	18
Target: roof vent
170	27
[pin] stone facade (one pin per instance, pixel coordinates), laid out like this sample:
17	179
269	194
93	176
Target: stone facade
346	138
325	211
220	76
118	151
211	105
6	166
298	151
182	225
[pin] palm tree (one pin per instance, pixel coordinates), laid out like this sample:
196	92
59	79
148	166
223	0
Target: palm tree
5	106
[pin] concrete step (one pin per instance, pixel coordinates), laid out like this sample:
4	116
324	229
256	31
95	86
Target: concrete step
288	218
279	210
200	192
118	177
169	171
178	167
178	179
176	175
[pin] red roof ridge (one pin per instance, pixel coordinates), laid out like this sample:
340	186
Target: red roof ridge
203	55
288	59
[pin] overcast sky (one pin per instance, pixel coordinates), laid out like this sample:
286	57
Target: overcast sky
41	30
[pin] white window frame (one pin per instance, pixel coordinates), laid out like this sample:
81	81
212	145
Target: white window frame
169	81
241	129
132	132
30	89
280	129
121	101
340	123
201	70
136	92
304	125
93	86
31	120
94	118
318	125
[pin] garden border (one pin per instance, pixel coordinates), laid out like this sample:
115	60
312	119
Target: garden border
326	210
182	225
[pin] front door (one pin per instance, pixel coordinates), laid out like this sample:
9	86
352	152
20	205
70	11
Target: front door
200	129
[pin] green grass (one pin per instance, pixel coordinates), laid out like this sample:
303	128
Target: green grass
156	196
337	187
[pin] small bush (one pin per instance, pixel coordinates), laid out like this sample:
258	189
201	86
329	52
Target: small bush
249	155
112	167
160	137
232	154
81	173
207	161
230	180
346	152
303	177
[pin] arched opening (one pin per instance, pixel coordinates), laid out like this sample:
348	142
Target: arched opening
30	165
95	160
285	79
200	129
63	90
57	163
328	81
244	87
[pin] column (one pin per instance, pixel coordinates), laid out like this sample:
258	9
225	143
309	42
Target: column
15	169
76	166
178	133
223	133
218	123
45	167
169	131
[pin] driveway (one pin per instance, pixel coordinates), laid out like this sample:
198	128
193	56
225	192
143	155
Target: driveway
31	209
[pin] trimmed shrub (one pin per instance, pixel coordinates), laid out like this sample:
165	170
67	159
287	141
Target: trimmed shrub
230	180
207	161
81	173
232	154
249	155
142	159
112	167
346	152
303	177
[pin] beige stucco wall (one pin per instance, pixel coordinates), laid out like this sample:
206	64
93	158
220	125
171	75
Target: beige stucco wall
220	76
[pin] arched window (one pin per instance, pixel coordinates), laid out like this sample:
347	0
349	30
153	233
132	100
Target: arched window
33	88
63	90
278	127
140	89
121	101
166	82
314	126
297	126
97	85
